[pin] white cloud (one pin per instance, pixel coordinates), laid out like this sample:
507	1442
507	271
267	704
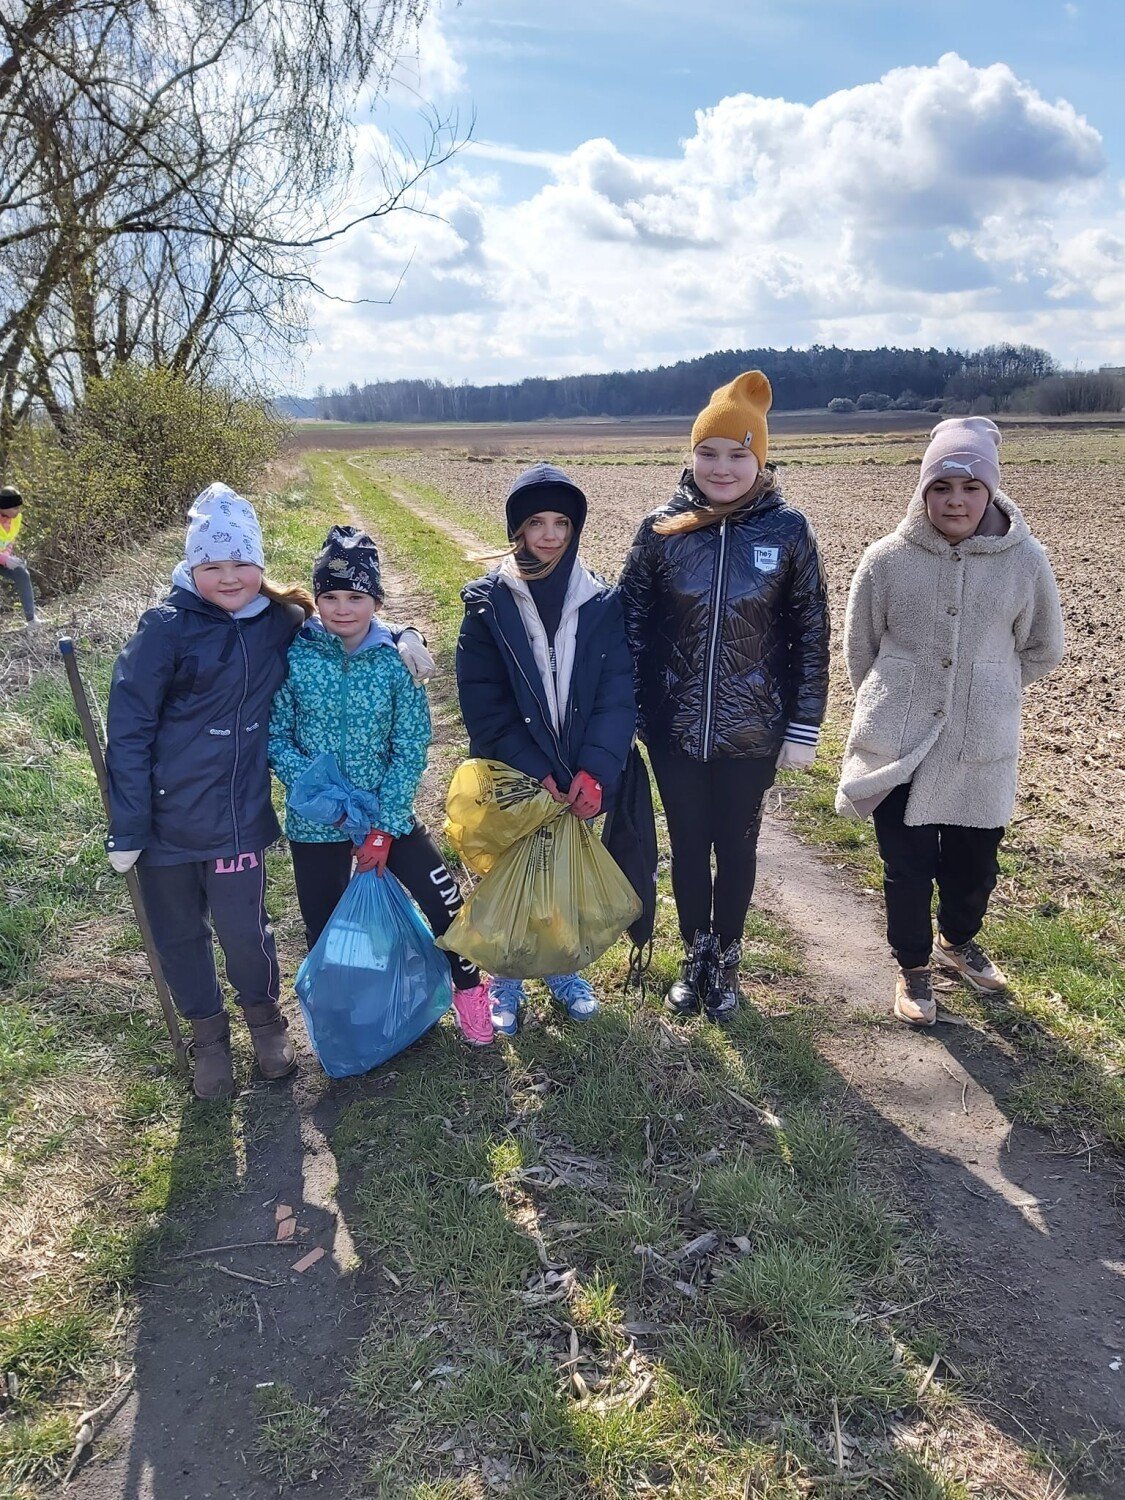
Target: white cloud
946	203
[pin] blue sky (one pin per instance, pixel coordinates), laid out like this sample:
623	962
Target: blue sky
653	180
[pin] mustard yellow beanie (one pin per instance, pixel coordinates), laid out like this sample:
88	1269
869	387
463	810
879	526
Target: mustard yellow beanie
738	412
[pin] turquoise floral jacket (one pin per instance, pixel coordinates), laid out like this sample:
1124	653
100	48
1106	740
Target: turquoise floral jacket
365	710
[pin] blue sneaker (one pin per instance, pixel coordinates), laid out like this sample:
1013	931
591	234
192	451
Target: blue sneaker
573	991
506	996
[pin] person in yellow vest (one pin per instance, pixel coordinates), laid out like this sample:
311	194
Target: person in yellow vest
12	566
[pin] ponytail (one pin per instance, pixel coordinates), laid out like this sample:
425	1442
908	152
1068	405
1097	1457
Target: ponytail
290	593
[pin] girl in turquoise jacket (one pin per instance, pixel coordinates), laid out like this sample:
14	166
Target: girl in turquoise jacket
348	694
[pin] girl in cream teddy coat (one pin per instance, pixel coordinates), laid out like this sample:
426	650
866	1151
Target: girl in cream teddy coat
949	617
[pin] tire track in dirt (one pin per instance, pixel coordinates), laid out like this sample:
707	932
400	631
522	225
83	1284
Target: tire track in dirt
1032	1237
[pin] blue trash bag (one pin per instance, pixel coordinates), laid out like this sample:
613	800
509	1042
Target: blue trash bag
322	795
374	982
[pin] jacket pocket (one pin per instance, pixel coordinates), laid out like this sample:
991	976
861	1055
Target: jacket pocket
992	719
882	707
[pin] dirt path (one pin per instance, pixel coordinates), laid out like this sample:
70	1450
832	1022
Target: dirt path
1034	1239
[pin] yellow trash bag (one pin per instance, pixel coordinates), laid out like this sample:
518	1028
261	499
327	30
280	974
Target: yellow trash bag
489	806
552	902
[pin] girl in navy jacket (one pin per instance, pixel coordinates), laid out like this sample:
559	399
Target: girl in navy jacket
189	783
545	680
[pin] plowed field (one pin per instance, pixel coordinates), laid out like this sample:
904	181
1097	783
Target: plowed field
1073	775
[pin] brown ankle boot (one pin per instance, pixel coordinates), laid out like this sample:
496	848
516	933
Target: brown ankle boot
210	1050
272	1047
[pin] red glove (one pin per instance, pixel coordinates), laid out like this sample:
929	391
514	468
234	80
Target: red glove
551	785
585	796
372	853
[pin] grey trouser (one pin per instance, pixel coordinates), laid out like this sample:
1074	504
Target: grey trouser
21	579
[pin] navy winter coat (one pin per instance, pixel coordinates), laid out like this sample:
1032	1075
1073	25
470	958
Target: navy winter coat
729	628
189	709
503	699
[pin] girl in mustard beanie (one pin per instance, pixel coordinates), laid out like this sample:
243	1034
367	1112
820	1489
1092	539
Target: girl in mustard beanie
727	615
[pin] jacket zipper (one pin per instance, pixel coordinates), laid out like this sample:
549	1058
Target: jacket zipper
531	689
344	715
238	738
713	643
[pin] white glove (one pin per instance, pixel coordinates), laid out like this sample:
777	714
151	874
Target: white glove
123	860
794	757
415	658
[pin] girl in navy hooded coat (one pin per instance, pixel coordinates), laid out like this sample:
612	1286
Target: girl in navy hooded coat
544	678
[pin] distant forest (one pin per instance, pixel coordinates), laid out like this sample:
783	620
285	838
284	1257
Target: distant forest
873	379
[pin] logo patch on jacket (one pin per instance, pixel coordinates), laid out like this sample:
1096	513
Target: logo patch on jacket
766	559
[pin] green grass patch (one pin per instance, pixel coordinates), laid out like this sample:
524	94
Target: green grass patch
490	529
435	563
295	1442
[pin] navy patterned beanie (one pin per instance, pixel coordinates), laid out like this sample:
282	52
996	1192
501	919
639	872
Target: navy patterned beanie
349	561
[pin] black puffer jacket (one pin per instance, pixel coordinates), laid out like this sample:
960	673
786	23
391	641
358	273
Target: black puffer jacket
728	625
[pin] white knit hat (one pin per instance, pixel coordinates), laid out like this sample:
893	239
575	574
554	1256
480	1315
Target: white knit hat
222	527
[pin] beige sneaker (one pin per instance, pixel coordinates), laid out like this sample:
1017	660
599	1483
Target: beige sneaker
971	963
914	998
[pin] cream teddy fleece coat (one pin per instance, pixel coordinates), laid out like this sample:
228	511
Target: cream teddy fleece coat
940	640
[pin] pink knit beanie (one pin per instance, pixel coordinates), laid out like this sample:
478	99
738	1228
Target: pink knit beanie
963	448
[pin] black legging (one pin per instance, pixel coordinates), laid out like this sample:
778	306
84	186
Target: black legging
712	804
322	872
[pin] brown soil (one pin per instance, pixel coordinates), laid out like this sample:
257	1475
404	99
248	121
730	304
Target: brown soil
1072	784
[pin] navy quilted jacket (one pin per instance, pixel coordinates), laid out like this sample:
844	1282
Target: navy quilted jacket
189	708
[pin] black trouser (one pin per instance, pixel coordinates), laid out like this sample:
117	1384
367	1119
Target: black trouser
188	906
962	861
713	805
322	872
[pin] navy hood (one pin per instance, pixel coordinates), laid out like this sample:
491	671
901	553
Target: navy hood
544	487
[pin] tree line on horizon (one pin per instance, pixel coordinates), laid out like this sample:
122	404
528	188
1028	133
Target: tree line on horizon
989	379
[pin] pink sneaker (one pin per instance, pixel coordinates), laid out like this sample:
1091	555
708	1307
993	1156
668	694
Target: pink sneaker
474	1014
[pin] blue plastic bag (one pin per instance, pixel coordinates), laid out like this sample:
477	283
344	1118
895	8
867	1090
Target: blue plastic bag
374	982
322	795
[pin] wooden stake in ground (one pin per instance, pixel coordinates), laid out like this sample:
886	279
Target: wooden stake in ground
93	739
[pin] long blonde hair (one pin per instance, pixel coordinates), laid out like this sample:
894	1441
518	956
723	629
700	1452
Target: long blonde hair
706	515
529	572
289	593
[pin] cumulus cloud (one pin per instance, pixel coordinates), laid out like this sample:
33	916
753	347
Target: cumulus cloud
947	203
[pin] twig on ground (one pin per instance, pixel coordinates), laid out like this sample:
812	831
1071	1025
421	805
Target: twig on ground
257	1310
241	1245
213	1265
84	1429
837	1434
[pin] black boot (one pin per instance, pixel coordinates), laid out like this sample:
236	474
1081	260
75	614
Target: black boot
722	998
687	994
